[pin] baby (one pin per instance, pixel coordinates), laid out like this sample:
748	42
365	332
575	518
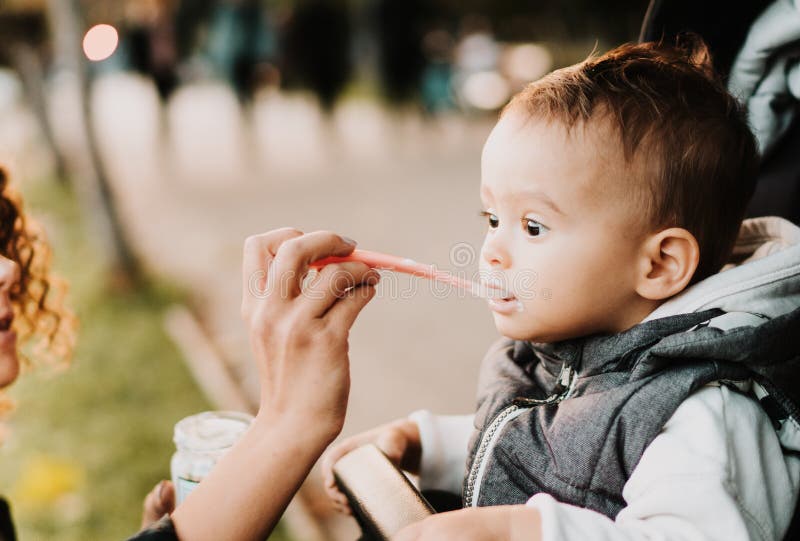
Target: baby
615	408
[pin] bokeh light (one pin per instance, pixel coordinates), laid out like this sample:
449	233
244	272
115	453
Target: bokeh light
100	42
486	90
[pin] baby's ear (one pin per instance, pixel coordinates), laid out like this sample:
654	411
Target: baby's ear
667	264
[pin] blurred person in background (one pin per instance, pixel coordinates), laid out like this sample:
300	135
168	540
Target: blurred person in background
152	43
240	42
400	28
315	46
436	86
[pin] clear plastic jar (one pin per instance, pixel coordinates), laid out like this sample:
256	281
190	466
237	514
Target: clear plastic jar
201	440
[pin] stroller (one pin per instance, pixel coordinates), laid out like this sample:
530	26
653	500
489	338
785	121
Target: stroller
725	27
382	499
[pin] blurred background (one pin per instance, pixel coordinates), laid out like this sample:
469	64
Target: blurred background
150	137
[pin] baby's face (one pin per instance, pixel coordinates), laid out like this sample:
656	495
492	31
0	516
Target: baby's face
562	233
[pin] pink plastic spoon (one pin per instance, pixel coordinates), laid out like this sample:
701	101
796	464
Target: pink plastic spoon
377	260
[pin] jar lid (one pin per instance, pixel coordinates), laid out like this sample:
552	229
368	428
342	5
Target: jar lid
211	430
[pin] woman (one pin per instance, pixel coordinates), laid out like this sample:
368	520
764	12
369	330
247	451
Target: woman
32	315
298	335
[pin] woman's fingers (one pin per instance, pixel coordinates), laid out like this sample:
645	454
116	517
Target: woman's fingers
159	502
293	257
333	283
344	311
166	497
259	251
275	263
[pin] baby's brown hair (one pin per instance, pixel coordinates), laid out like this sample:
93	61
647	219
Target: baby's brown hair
695	157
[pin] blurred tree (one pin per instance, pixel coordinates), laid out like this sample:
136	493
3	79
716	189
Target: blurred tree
23	48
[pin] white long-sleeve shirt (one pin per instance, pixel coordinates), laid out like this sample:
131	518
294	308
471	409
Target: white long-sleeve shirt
716	472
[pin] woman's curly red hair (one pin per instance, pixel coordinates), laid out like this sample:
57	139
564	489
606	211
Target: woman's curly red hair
45	327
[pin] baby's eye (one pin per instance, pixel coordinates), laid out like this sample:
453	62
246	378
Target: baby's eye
494	221
534	228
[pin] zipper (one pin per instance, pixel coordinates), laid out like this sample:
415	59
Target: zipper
562	390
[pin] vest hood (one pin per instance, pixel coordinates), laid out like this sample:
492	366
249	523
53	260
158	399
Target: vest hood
762	277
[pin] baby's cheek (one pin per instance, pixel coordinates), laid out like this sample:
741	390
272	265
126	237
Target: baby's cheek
558	307
544	282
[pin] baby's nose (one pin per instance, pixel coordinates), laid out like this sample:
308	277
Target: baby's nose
495	255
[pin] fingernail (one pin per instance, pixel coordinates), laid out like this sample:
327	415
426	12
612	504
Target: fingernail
161	491
350	241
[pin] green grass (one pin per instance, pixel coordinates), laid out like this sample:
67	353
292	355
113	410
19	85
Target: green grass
87	444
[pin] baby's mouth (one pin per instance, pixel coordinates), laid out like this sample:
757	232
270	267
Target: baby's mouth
495	291
500	299
505	305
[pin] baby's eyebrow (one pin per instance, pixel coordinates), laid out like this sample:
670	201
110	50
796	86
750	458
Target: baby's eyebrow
545	199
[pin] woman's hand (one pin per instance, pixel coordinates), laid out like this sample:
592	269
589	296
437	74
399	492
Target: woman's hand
299	339
159	502
299	335
399	441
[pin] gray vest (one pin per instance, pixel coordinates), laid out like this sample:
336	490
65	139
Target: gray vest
573	418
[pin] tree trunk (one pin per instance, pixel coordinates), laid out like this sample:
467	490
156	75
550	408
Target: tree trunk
91	181
28	65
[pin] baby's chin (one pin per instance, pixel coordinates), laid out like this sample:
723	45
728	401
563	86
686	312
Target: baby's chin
518	330
533	331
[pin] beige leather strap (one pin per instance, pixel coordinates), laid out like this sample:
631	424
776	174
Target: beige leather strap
383	500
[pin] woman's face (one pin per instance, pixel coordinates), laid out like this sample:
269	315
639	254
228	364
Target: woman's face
9	362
